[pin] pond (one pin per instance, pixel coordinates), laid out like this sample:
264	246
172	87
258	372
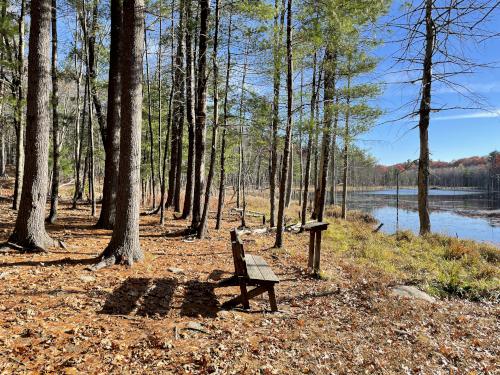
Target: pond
459	213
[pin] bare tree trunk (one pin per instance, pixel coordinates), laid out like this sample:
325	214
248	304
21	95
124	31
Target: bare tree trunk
333	148
29	231
309	145
150	123
202	230
188	196
19	111
222	183
288	136
179	113
240	198
278	36
330	66
78	143
56	143
159	66
108	210
201	114
346	145
289	178
423	124
124	247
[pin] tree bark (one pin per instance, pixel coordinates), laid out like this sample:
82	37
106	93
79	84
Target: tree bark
346	146
179	113
278	36
56	143
202	229
201	114
29	231
188	196
307	173
329	95
222	182
288	136
124	247
111	165
150	121
19	111
78	144
423	124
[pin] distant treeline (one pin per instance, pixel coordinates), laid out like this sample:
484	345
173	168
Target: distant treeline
476	172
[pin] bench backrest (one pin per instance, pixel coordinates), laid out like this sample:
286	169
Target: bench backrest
240	267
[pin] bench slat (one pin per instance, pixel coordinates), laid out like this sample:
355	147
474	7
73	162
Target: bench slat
258	269
315	226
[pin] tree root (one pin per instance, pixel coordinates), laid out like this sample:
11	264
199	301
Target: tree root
8	247
103	263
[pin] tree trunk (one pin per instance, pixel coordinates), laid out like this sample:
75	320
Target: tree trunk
188	196
202	230
19	111
29	231
346	145
56	143
289	178
423	124
240	198
93	74
288	136
309	145
150	122
278	36
124	247
222	182
78	143
112	146
201	114
179	113
330	62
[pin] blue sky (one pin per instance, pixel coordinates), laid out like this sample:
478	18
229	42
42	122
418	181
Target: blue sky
453	134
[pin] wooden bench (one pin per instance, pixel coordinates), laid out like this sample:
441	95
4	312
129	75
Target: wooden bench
315	230
250	270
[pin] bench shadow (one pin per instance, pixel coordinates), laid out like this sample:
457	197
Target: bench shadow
142	296
200	300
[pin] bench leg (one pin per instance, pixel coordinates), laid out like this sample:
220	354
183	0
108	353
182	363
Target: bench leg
249	295
311	250
244	296
317	254
272	298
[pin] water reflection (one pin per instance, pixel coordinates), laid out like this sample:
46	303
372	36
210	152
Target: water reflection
465	214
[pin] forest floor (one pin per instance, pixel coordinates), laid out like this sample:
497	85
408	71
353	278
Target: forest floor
163	315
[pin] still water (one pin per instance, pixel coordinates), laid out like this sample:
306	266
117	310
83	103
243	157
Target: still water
458	213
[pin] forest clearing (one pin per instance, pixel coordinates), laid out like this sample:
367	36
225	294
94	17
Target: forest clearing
255	186
164	314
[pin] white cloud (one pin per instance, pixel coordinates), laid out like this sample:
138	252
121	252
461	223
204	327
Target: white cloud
471	115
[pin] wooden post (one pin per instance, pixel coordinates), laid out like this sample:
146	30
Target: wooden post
317	253
311	250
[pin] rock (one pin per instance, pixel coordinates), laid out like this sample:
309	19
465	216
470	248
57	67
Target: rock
412	292
194	326
3	275
177	271
87	278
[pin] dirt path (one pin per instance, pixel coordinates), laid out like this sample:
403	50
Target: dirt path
162	315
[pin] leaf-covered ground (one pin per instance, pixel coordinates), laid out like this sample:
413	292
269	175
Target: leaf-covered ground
163	315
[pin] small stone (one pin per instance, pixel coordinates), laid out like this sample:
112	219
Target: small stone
195	326
176	270
410	291
87	278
